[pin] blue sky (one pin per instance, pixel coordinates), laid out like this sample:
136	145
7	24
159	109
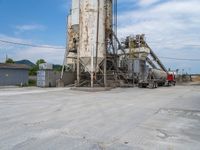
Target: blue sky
172	28
42	21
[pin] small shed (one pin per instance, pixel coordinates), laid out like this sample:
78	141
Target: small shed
47	78
13	74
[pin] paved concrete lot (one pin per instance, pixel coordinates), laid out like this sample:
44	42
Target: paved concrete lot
121	119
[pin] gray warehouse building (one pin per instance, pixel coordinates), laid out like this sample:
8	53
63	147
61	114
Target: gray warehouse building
13	74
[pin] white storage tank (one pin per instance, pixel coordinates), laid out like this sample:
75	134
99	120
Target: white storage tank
92	33
73	34
159	74
75	12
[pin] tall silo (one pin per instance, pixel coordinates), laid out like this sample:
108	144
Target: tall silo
95	22
92	33
73	35
75	13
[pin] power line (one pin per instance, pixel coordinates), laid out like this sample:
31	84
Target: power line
31	45
174	44
62	48
189	59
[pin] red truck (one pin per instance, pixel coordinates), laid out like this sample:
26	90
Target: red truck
171	79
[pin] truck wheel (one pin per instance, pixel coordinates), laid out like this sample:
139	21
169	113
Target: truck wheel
144	86
156	85
167	83
139	85
151	85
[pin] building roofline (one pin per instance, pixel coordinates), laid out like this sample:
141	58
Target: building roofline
13	66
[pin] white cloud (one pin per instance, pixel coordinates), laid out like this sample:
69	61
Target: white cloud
17	52
147	2
172	29
13	39
51	55
140	3
29	27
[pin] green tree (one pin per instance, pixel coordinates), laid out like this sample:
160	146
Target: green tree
9	61
33	70
40	61
57	67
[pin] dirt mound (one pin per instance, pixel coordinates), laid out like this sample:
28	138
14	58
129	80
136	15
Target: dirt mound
195	79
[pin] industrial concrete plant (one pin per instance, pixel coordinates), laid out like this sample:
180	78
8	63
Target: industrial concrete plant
109	87
99	59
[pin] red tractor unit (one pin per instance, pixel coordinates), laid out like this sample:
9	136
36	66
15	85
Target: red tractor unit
171	79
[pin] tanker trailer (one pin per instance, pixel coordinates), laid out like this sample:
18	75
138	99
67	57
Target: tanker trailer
155	78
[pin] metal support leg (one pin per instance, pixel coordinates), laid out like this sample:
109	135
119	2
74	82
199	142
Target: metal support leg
78	71
105	72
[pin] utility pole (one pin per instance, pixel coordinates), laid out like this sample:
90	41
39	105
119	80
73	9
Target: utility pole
6	57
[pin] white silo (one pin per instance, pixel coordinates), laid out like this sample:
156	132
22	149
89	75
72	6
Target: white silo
92	33
89	30
73	34
75	12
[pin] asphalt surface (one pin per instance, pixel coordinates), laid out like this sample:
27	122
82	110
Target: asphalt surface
166	118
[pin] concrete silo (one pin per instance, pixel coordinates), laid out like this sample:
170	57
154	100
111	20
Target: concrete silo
89	33
95	21
72	35
96	55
